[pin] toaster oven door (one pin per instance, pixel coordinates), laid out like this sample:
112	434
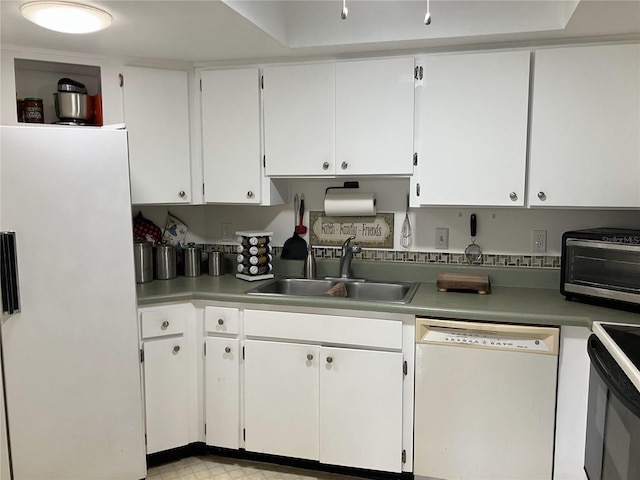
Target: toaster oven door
601	269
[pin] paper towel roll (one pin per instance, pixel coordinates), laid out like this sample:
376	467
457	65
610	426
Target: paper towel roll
349	204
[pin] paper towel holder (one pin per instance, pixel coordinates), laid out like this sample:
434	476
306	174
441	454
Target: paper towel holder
347	185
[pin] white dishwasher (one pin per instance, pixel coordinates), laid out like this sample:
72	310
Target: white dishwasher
485	397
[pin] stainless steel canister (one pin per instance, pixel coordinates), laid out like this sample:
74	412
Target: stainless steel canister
192	259
216	264
165	262
143	258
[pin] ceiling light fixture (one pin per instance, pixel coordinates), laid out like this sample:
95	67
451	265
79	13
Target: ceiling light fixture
66	17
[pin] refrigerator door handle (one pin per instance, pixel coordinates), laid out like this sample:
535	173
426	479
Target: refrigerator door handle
9	273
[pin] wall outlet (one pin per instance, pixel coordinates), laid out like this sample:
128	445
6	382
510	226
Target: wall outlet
538	240
442	237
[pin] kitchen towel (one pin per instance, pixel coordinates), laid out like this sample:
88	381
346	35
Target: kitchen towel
349	204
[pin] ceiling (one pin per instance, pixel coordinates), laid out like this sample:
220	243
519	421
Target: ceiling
214	31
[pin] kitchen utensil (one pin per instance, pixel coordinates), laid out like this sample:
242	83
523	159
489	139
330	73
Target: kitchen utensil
295	247
309	270
73	106
466	282
165	262
473	252
143	259
216	265
405	232
192	259
345	10
300	228
427	17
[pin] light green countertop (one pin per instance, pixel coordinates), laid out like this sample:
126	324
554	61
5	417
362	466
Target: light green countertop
518	295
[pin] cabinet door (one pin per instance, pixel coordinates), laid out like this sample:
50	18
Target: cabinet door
222	392
156	111
231	136
361	408
166	387
281	399
585	127
472	112
374	117
299	120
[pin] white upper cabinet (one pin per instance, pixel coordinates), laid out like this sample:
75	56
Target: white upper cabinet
231	136
299	120
472	128
156	111
374	117
585	127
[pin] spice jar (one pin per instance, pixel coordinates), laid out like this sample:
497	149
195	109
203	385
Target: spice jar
33	110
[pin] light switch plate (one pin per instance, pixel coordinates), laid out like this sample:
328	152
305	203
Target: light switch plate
442	237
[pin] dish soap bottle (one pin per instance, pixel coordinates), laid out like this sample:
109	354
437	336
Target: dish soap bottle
310	264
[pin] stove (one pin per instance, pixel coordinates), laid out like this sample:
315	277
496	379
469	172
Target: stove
622	341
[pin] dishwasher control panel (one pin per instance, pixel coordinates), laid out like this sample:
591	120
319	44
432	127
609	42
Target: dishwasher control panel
484	339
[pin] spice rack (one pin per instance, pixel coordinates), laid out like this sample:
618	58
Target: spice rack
254	255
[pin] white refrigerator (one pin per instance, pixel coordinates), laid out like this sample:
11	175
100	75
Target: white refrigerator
70	355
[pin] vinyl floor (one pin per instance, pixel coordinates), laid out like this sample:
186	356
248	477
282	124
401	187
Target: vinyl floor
207	467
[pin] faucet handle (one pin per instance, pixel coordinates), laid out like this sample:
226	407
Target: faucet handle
347	241
356	248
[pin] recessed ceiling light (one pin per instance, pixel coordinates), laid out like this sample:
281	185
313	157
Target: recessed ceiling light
66	17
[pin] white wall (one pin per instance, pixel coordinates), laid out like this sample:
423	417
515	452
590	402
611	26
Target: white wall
500	230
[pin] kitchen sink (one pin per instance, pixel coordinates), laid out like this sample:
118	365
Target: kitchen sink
356	289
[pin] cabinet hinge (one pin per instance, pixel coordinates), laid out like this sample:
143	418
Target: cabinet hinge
417	189
418	73
145	439
405	368
262	82
244	434
120	79
205	428
205	349
415	159
200	84
264	161
203	189
404	456
243	353
141	355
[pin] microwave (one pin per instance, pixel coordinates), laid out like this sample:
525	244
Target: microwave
601	265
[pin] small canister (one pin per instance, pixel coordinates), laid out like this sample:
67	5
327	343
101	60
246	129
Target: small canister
143	256
165	262
216	264
33	110
192	258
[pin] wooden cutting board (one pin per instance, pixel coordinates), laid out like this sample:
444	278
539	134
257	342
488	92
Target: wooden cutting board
468	282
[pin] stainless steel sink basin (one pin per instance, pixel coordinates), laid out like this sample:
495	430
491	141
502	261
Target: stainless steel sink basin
398	292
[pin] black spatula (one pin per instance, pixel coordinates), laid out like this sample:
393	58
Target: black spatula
295	247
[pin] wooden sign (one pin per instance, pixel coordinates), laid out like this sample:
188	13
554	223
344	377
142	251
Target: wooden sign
372	231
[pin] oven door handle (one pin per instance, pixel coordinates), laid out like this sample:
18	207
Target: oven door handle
613	376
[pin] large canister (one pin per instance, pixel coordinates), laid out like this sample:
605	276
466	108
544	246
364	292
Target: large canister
192	258
143	258
165	262
216	264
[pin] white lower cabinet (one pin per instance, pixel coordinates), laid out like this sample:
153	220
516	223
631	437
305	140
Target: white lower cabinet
222	359
338	405
168	369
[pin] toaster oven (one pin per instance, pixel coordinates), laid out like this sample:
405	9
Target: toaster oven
601	264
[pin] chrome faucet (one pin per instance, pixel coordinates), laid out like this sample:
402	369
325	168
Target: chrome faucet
347	256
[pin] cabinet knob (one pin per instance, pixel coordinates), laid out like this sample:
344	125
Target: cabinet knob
325	166
176	349
182	194
220	321
227	349
513	196
250	194
309	357
344	165
542	196
164	325
329	359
